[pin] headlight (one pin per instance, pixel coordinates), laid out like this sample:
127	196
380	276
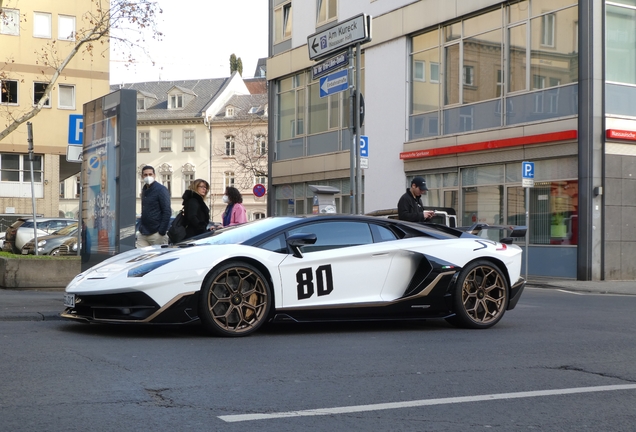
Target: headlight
74	247
41	243
144	269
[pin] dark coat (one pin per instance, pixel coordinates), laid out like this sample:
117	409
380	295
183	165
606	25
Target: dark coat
410	208
155	209
197	213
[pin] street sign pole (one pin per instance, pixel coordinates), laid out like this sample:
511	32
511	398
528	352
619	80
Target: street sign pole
527	181
35	222
357	137
352	157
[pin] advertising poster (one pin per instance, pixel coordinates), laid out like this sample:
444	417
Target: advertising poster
108	177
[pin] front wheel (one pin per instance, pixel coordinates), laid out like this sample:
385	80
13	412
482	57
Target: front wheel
481	296
235	300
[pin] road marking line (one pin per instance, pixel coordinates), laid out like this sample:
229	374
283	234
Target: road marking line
570	292
423	402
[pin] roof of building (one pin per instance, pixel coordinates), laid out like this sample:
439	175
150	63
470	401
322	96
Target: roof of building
256	85
201	93
245	105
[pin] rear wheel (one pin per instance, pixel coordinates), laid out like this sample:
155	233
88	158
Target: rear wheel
481	296
235	300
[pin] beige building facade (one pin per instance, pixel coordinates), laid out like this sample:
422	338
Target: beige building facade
32	33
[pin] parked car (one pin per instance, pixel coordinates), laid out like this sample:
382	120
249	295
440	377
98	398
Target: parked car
69	246
314	268
50	244
21	231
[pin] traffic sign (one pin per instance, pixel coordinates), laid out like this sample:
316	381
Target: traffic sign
334	83
364	162
364	146
259	190
527	174
74	153
340	36
76	129
331	64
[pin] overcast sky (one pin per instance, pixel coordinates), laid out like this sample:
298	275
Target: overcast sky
199	37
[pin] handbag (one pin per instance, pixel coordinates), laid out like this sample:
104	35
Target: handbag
177	231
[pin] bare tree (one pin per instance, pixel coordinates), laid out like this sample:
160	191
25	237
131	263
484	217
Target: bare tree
123	24
247	141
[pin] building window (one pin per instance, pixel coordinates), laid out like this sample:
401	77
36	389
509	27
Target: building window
10	22
547	29
141	104
260	179
144	141
261	145
435	73
419	71
66	97
78	186
166	180
469	75
38	92
61	189
230	147
9	92
228	179
327	10
259	215
176	101
188	178
16	168
282	23
229	112
66	27
165	141
42	25
188	140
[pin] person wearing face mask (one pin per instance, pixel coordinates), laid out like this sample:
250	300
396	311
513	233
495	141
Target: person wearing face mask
155	210
197	213
234	213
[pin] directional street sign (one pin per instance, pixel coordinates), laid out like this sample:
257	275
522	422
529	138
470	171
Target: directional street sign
334	83
338	37
527	174
331	64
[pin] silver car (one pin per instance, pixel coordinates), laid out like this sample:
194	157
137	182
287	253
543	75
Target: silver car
50	244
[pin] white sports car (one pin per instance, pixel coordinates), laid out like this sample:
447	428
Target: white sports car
306	268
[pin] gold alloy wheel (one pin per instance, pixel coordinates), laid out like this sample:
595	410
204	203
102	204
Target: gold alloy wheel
237	300
484	294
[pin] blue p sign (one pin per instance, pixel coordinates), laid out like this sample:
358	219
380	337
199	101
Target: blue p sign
527	170
364	146
76	129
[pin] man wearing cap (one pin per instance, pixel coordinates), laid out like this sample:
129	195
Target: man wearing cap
410	207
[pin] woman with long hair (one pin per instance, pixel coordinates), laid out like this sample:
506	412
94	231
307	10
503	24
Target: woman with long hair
235	212
196	212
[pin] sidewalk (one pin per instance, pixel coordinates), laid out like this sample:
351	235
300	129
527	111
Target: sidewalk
45	304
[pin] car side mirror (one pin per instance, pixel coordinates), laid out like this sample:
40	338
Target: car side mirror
296	241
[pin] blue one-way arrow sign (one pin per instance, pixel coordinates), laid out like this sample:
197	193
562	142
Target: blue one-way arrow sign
334	83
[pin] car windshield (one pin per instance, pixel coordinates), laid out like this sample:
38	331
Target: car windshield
241	233
67	230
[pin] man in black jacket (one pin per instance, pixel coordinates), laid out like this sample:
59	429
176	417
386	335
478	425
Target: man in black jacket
410	207
155	210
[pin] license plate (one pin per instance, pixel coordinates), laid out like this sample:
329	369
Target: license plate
69	300
25	251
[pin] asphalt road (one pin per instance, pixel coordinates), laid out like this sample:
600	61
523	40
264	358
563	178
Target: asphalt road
559	362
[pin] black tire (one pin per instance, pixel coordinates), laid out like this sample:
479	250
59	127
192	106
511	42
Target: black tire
235	300
481	296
